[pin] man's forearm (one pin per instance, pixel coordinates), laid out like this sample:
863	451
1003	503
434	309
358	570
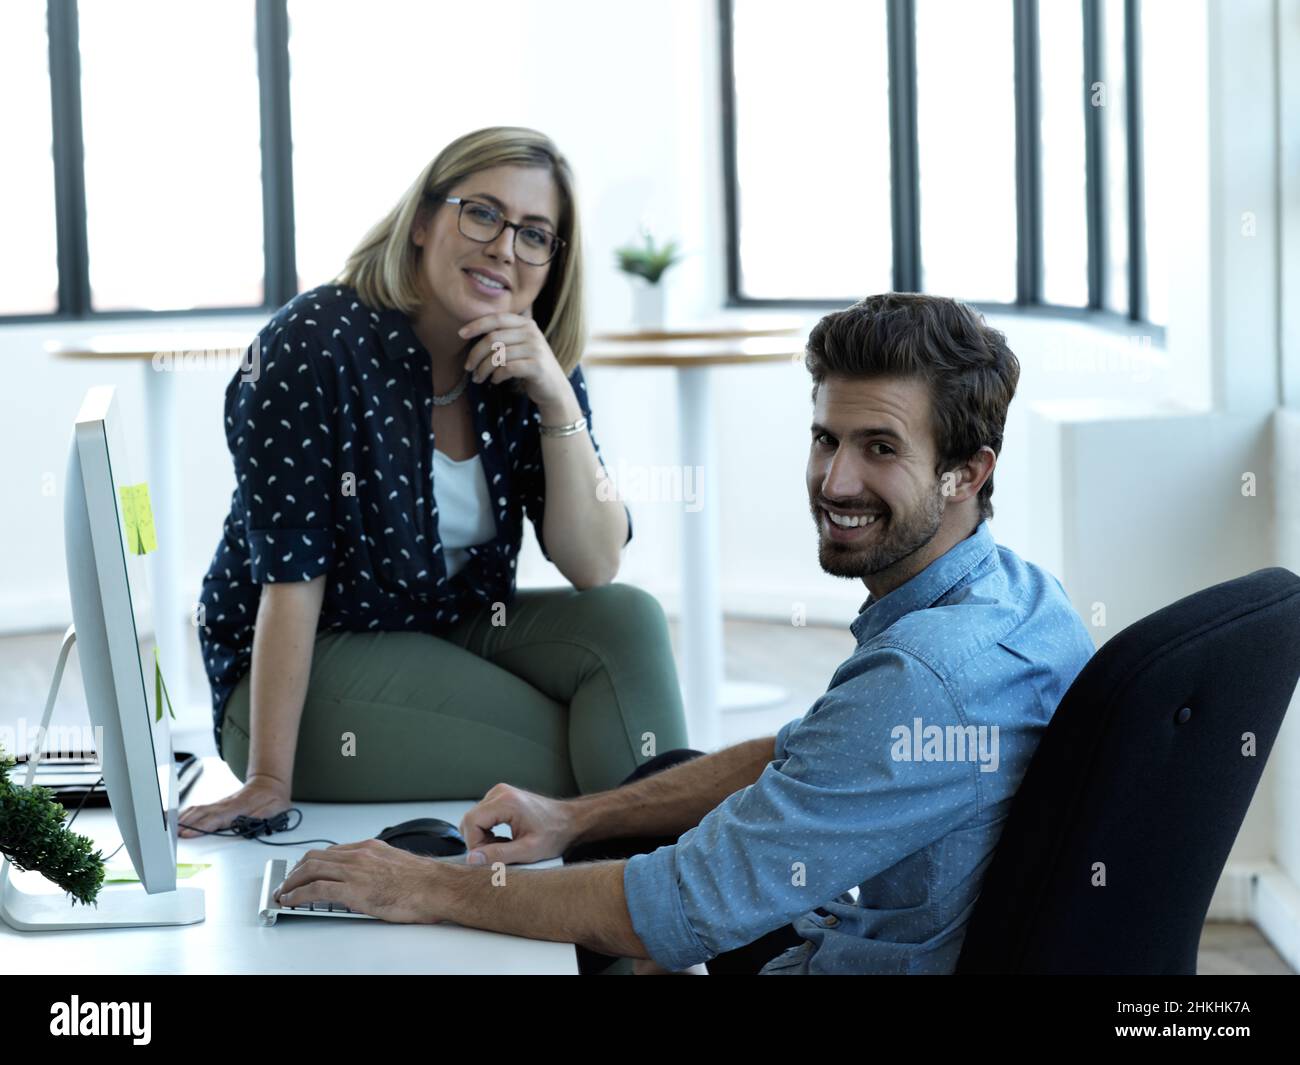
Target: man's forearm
581	904
674	800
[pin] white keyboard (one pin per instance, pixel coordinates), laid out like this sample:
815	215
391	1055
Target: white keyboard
268	909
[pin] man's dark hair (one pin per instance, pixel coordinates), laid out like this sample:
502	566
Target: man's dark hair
968	369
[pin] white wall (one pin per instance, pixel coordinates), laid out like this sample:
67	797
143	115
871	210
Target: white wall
1286	759
1146	509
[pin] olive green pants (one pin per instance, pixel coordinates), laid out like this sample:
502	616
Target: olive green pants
565	694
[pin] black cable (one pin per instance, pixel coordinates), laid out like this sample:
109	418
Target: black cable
243	825
83	803
252	827
88	794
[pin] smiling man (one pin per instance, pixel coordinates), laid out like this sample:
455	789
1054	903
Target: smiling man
748	854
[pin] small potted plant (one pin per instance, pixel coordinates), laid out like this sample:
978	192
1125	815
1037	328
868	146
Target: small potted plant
646	265
33	837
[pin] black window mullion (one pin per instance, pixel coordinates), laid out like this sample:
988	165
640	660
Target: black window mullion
730	181
278	246
1133	129
69	159
1094	132
1029	171
905	178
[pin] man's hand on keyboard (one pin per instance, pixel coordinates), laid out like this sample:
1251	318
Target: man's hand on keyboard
370	877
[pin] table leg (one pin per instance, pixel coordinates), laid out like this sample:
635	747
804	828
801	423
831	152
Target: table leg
701	608
704	687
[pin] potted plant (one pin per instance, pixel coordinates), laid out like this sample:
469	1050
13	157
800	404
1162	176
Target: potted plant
33	837
646	265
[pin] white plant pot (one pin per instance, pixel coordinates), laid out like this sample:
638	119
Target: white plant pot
647	305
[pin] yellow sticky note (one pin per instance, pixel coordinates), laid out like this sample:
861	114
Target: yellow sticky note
137	516
184	870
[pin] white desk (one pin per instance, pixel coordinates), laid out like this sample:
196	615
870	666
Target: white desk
230	939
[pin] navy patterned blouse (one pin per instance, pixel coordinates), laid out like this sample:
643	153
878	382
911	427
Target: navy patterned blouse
330	434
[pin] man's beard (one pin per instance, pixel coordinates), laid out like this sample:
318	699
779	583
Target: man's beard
900	536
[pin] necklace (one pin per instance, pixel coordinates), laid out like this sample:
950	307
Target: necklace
454	394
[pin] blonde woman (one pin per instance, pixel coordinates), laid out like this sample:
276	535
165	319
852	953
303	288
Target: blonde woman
361	629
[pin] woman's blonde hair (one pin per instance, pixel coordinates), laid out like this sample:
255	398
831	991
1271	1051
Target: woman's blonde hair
384	267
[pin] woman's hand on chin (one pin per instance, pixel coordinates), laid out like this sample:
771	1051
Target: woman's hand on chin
511	346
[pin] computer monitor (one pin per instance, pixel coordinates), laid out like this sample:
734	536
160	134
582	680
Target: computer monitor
113	637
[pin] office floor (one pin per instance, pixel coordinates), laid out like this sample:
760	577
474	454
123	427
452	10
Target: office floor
801	660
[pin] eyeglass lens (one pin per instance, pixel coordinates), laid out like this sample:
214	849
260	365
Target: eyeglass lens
484	223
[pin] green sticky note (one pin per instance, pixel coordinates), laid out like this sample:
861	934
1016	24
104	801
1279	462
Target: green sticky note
137	516
184	870
160	689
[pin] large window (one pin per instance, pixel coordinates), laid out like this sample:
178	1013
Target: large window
186	156
1173	105
145	143
1011	131
169	107
183	156
29	278
815	202
966	140
1062	136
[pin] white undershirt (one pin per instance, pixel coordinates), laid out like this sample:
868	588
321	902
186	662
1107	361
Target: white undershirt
465	518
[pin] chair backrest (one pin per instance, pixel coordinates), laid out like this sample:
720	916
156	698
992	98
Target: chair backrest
1125	817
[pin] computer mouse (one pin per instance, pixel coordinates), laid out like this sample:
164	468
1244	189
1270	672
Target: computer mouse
428	836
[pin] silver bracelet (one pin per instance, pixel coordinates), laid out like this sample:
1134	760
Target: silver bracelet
564	430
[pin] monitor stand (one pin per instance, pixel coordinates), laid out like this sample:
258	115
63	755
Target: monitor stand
115	907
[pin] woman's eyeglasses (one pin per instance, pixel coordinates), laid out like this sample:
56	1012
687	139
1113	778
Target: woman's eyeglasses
482	222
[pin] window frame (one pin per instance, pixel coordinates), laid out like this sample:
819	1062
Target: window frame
278	251
900	16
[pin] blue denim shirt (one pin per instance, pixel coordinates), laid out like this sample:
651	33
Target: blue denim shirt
898	779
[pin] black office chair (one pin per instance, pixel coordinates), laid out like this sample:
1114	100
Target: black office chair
1141	769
